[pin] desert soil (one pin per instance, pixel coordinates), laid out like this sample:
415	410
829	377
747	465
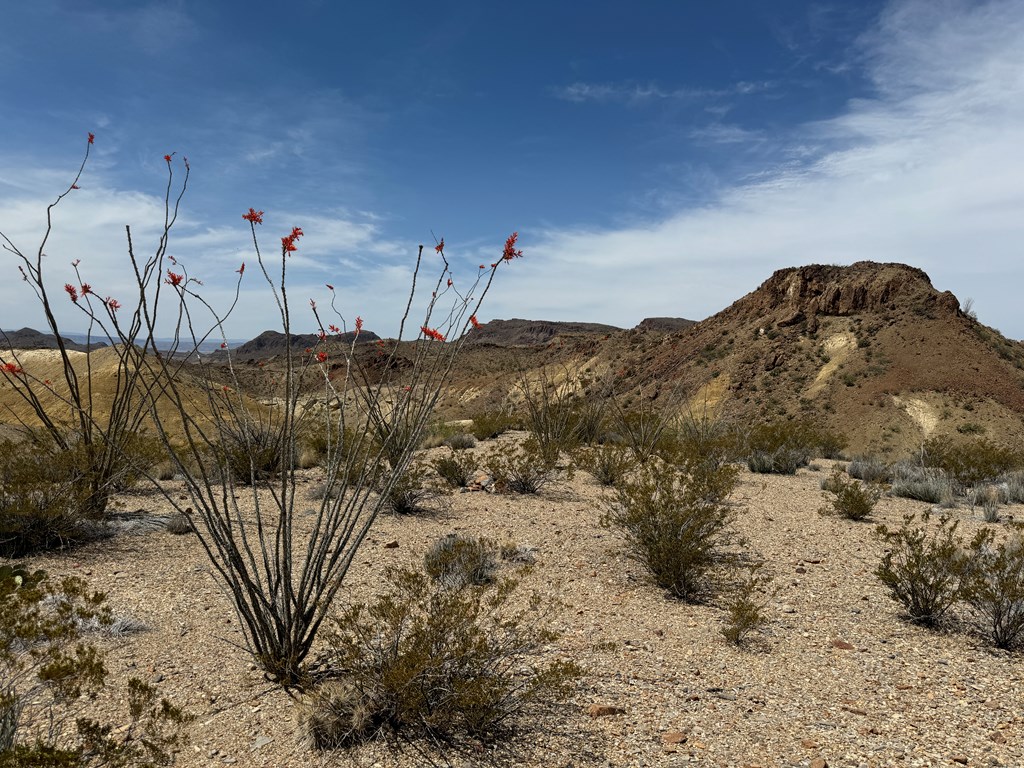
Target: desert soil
835	678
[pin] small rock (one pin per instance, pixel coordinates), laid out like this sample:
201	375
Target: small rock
673	737
809	744
819	762
787	608
801	570
998	737
391	544
261	741
842	645
604	710
960	759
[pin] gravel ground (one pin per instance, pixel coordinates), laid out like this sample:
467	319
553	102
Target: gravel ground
836	678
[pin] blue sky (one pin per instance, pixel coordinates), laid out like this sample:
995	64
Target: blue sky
657	158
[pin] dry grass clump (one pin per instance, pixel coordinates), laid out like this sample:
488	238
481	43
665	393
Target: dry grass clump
747	606
927	484
457	561
487	425
609	464
415	494
870	470
427	659
782	447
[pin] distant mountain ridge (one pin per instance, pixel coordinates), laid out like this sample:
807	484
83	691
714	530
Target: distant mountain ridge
30	338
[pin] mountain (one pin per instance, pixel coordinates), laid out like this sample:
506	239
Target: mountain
29	338
273	343
516	332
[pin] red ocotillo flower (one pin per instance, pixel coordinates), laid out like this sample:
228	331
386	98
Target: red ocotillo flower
113	304
71	291
439	248
92	137
510	251
473	321
12	368
253	216
432	333
359	325
174	278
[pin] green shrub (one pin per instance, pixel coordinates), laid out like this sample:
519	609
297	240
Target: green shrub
489	424
49	673
747	607
782	447
456	469
609	464
519	469
456	561
252	448
43	500
414	494
972	462
676	524
435	661
848	498
996	588
926	573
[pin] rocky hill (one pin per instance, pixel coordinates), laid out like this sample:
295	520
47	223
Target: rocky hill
516	332
271	344
29	338
872	350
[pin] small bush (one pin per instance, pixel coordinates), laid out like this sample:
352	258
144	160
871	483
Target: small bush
747	607
179	524
456	469
49	673
252	449
609	464
972	462
870	470
522	469
437	662
676	524
456	561
781	461
43	500
524	554
996	588
782	447
986	497
489	424
414	494
926	573
921	484
1011	489
461	442
848	498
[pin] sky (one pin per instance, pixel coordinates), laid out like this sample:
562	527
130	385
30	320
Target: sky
658	158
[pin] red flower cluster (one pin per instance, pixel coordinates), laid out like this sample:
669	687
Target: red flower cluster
113	304
359	325
86	288
510	248
12	368
473	321
92	137
431	333
167	158
173	278
71	291
253	216
321	357
334	329
439	248
288	243
223	345
241	269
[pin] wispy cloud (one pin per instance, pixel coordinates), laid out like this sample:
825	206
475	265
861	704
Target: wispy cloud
636	93
927	172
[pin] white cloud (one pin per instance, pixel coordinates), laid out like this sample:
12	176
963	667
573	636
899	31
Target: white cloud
928	172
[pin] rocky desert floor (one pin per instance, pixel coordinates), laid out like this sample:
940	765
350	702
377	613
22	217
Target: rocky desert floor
836	678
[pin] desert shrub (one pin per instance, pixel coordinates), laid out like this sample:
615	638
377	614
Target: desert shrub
456	561
996	588
550	413
986	497
848	498
609	464
747	606
49	672
921	484
489	424
43	501
970	463
926	573
870	470
424	659
461	441
456	469
413	493
252	448
519	469
1011	489
179	524
643	428
700	441
676	524
591	418
782	447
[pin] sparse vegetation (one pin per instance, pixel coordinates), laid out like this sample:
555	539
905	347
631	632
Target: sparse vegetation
413	493
927	573
609	464
747	606
921	484
457	468
676	524
436	661
519	469
457	561
848	498
870	470
996	588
